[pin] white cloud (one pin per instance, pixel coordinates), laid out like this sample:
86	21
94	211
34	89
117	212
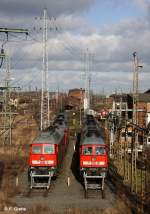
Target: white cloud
112	54
112	48
143	4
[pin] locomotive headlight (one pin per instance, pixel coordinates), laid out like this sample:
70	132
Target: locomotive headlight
49	162
35	161
87	162
100	163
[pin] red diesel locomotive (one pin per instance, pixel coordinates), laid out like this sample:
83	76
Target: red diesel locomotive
93	157
47	153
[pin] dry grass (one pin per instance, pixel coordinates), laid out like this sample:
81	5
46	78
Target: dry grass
119	208
13	159
25	130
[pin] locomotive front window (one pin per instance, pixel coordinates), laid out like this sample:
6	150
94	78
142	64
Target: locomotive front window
36	149
100	150
87	150
49	149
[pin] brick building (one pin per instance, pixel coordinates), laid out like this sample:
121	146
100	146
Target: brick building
75	98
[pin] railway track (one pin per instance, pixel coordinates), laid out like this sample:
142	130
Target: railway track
93	193
38	192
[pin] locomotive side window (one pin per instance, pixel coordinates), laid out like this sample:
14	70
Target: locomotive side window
87	150
49	149
100	150
36	149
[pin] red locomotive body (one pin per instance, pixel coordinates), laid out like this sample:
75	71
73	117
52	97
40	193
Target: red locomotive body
42	154
46	154
93	156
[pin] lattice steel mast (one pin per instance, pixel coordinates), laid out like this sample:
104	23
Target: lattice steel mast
7	115
87	81
135	143
45	92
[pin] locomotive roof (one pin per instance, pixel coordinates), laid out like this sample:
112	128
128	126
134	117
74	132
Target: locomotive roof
49	137
62	116
61	113
91	127
61	121
93	139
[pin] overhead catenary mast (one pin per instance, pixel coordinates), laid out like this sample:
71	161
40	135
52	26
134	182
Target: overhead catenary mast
87	81
135	143
135	86
45	91
7	115
6	111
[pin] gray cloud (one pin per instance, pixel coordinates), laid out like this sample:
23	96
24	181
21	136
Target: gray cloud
111	52
112	47
34	7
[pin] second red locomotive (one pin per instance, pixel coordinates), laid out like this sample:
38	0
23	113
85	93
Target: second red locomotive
47	153
93	156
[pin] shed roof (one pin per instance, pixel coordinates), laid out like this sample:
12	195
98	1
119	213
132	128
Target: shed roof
145	97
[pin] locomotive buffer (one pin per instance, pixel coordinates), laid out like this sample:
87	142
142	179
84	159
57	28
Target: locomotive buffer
45	184
89	185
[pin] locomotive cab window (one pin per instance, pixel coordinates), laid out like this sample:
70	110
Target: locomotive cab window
49	149
100	150
36	149
87	150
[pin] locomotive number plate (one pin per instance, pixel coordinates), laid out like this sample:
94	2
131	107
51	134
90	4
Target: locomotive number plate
42	162
93	163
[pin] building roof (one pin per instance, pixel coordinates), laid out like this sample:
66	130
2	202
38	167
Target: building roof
120	97
142	97
76	89
145	97
147	92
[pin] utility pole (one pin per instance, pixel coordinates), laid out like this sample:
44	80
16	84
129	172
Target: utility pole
112	131
81	95
45	91
135	86
88	61
134	147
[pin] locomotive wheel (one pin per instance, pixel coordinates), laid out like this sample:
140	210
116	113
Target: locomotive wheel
103	194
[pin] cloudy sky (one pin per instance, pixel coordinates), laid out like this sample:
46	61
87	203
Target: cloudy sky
108	31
